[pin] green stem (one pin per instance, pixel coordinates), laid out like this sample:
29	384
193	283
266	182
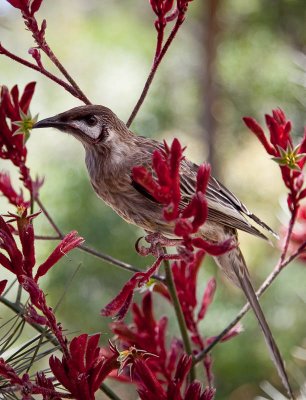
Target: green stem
109	393
179	314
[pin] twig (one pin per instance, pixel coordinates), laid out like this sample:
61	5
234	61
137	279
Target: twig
89	250
179	314
288	235
47	237
269	280
50	219
45	47
154	68
28	64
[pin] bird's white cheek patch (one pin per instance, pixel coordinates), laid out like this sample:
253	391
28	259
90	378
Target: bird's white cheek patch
91	131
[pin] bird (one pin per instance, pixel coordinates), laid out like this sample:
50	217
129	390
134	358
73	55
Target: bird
112	150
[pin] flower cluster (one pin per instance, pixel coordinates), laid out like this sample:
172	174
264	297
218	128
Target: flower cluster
291	159
83	366
163	376
166	12
28	8
166	189
15	123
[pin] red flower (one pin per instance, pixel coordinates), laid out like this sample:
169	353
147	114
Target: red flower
12	146
14	119
9	192
28	7
82	370
70	242
166	188
23	262
196	392
148	334
290	159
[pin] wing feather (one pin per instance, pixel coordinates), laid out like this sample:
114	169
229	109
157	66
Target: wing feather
223	206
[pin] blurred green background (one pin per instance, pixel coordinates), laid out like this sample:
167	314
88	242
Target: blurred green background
230	59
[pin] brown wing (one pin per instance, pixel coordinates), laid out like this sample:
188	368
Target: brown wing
223	206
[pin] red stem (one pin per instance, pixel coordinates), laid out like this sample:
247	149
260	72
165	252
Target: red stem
46	49
28	64
160	38
154	68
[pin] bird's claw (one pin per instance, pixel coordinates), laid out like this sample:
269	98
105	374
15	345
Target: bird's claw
156	241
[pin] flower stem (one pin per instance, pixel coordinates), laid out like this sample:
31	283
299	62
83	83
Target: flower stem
179	313
154	68
28	64
63	70
266	284
86	249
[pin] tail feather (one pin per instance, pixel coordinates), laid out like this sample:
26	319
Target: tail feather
233	265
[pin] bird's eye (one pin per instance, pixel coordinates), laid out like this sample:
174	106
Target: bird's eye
91	120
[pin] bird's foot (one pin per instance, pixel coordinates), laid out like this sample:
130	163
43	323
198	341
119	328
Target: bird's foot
156	241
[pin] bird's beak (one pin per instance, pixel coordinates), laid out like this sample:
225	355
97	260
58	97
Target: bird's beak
51	122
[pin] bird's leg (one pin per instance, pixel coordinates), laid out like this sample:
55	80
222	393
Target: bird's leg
156	241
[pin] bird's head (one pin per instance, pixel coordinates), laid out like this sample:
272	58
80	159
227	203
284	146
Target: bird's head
93	125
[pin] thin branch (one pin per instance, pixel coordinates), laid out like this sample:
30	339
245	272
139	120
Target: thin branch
154	68
269	280
46	237
89	250
179	314
28	64
288	235
45	47
50	219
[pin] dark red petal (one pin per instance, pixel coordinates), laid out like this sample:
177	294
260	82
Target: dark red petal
161	168
183	227
27	93
302	195
182	369
70	241
77	351
176	153
209	394
203	177
279	116
35	6
253	125
201	211
92	346
26	235
215	249
147	380
194	391
121	299
208	296
60	373
2	286
5	262
17	4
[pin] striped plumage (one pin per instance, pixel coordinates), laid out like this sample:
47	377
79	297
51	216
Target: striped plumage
111	152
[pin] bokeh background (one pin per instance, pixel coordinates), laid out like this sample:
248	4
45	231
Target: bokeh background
230	59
